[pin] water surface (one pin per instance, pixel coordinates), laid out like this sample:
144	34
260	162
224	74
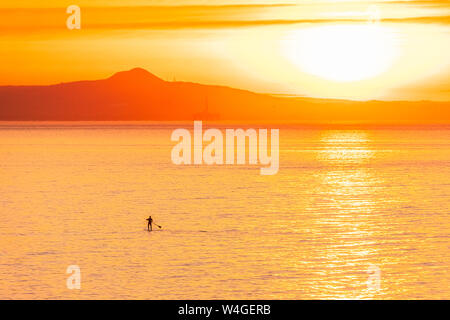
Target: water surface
345	200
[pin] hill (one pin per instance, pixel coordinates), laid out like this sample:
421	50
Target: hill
139	95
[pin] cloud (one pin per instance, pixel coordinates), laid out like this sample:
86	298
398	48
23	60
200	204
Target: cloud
255	23
434	3
36	20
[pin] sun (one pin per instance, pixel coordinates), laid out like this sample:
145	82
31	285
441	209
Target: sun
342	53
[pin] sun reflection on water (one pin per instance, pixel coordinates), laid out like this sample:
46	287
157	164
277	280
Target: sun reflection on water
347	193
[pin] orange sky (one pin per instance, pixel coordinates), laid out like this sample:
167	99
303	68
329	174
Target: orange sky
322	49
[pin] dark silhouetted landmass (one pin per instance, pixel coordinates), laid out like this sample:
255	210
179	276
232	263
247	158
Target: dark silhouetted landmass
140	95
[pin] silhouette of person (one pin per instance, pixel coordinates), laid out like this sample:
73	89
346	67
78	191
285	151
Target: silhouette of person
149	226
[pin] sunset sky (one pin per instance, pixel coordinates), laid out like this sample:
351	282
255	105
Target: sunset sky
326	49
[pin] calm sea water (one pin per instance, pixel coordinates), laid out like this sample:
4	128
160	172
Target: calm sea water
346	201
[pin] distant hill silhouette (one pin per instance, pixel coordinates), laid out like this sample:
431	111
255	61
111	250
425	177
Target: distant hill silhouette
139	95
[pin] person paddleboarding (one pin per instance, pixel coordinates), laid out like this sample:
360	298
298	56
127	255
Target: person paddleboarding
149	226
150	222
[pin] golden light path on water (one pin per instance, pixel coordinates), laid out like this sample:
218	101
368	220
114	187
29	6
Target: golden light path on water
350	223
